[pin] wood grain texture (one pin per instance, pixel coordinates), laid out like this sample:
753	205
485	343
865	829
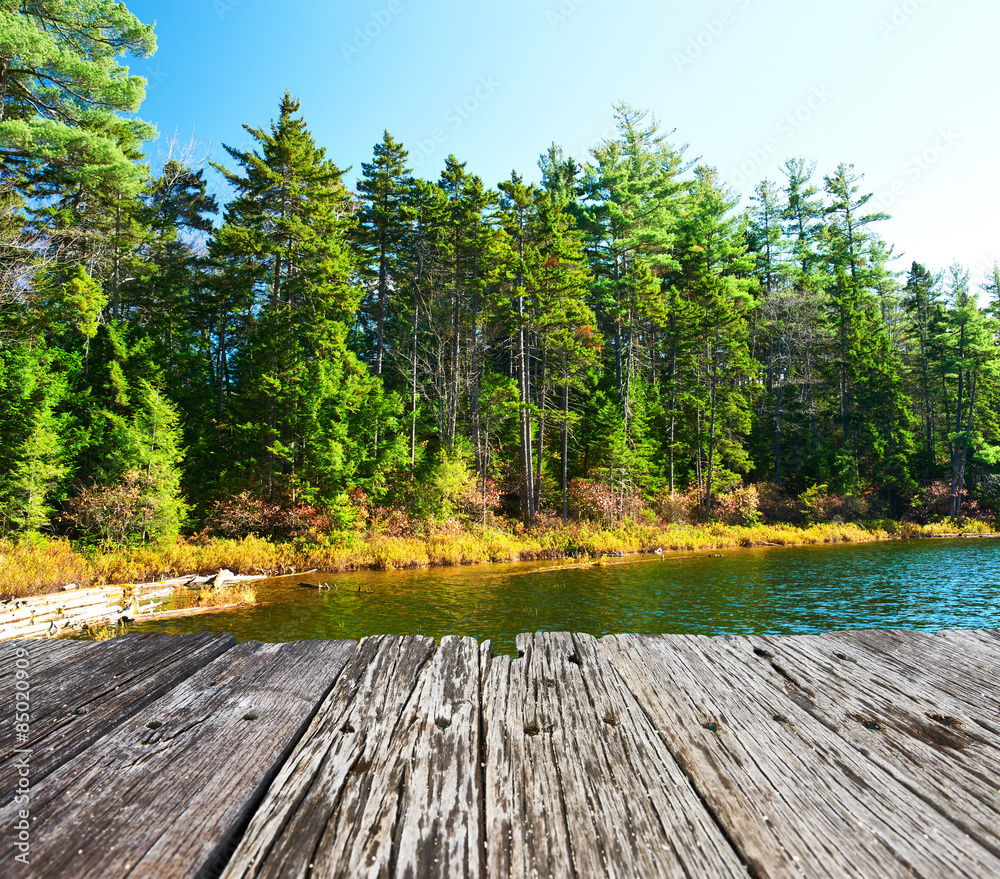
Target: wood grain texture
578	783
42	654
94	688
924	740
854	754
961	668
166	793
386	781
792	795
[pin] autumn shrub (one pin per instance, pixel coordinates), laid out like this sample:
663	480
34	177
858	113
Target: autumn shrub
115	514
390	521
243	515
676	507
934	505
776	506
738	506
597	501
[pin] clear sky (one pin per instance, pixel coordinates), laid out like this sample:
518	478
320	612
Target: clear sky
906	90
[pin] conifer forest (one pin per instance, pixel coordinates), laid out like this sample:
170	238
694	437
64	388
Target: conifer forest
624	338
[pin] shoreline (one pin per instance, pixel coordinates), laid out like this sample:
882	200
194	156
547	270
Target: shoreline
234	590
41	566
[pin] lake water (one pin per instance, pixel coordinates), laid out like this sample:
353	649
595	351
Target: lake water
919	584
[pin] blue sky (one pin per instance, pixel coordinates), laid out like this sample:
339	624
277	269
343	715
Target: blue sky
906	90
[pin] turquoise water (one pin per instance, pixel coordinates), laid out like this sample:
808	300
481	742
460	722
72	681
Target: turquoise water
920	584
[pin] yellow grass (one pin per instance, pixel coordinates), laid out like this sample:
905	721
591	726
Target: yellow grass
36	564
238	593
110	632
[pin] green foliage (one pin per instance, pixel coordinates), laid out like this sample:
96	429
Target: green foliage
621	335
284	238
812	499
64	90
447	486
33	465
76	302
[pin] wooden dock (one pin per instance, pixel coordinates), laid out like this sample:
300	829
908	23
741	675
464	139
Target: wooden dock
857	754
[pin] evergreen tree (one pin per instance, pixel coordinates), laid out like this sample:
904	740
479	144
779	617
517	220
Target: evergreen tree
631	203
803	218
283	242
566	326
62	91
969	362
921	300
381	238
854	269
33	465
716	275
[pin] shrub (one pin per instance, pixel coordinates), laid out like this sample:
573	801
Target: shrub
777	506
594	501
740	506
243	515
116	514
677	507
815	503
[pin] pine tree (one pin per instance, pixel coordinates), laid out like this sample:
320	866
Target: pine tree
381	237
62	91
716	276
566	325
283	243
854	269
970	361
33	465
156	433
631	203
803	219
921	300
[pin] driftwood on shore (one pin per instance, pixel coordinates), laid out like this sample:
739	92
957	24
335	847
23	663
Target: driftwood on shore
74	609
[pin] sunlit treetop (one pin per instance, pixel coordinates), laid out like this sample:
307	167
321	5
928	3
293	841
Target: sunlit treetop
63	92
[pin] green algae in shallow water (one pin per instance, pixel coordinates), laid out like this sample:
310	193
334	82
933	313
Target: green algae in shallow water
926	585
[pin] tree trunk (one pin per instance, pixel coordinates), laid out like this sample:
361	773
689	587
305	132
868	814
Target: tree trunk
711	429
565	449
524	381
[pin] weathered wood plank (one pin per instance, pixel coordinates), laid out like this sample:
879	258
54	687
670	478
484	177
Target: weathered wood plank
166	793
791	795
77	701
41	654
578	783
968	675
386	780
929	746
948	675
